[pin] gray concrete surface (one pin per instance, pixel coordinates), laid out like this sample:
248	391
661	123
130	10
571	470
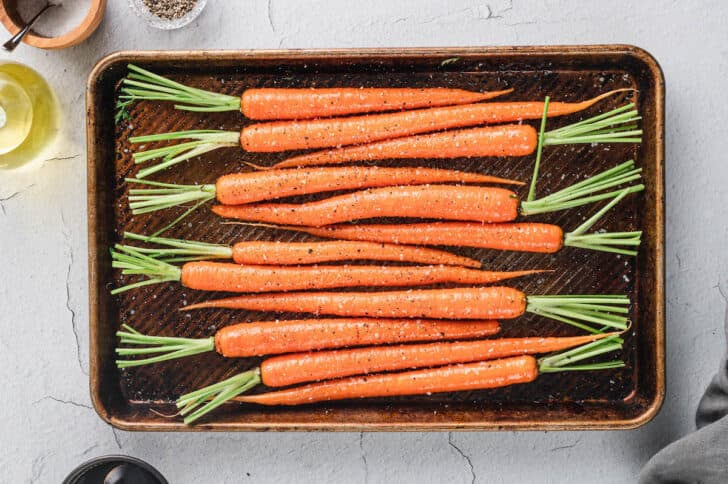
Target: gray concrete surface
46	423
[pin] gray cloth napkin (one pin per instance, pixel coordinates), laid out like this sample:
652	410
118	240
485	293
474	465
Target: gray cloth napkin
700	457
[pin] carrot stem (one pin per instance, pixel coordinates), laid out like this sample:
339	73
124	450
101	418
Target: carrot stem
582	311
182	250
205	141
133	262
607	241
585	191
615	126
205	400
141	84
539	150
169	347
564	361
144	200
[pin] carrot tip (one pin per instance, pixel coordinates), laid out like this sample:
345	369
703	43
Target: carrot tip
257	167
165	415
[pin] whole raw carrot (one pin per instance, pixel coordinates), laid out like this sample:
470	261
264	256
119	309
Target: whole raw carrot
251	187
502	140
454	378
448	202
460	303
527	237
307	103
220	276
616	126
297	368
238	188
468	376
216	276
523	237
295	253
322	133
455	303
275	337
481	204
294	103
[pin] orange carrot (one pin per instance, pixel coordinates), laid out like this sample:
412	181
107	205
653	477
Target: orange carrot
480	204
274	337
448	202
525	237
295	253
460	303
240	188
298	368
616	126
503	140
292	103
217	276
282	103
256	339
528	237
321	133
251	187
454	378
455	303
492	373
220	276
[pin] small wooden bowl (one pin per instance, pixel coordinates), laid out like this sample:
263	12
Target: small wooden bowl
11	20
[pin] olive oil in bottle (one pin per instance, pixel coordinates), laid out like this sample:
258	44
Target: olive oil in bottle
29	115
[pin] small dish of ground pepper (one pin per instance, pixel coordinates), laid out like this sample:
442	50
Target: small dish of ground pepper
168	14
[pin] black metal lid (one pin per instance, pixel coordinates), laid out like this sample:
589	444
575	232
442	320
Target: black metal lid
115	469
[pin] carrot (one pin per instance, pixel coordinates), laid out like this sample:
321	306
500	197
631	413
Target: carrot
242	188
296	253
449	202
524	237
298	368
481	204
469	376
287	103
616	126
479	302
238	188
274	337
501	140
456	303
307	103
220	276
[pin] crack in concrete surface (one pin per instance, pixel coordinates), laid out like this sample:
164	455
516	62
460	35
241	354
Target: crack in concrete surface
116	438
363	454
464	456
36	468
74	325
11	196
61	158
64	402
567	446
269	12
